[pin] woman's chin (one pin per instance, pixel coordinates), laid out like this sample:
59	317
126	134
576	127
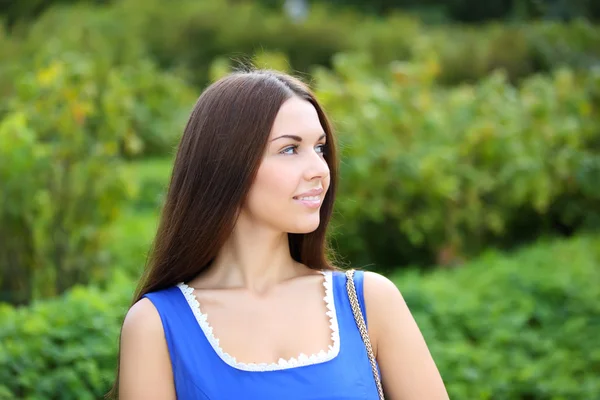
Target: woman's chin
306	227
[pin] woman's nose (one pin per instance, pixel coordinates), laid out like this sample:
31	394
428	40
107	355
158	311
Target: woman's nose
316	166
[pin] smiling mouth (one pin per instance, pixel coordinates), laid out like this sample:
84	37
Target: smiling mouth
308	198
313	202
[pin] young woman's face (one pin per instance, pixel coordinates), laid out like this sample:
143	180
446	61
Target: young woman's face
293	177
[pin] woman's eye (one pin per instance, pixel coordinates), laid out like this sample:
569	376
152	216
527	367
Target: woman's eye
293	149
289	150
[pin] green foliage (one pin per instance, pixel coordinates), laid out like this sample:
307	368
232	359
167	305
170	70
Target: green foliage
60	179
470	53
15	12
526	328
64	348
132	233
130	240
76	29
155	107
8	50
152	105
152	176
477	11
62	138
436	10
431	174
466	53
519	327
189	37
444	172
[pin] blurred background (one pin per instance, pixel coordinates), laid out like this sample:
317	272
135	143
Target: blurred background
470	175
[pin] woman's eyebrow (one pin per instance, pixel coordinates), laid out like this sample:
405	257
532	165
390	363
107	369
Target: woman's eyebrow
296	138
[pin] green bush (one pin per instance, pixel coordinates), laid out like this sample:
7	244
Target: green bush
527	327
9	49
64	348
153	105
476	11
466	10
519	327
466	53
188	37
131	237
60	179
132	233
20	12
152	176
76	29
63	133
431	174
470	53
434	172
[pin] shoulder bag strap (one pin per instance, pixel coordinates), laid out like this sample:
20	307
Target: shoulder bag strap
362	327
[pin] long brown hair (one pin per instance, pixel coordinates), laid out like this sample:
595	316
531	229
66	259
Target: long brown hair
217	160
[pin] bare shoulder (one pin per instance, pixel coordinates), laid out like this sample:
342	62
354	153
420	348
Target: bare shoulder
386	309
407	367
145	366
381	291
142	319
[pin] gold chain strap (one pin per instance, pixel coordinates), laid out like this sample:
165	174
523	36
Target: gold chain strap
362	327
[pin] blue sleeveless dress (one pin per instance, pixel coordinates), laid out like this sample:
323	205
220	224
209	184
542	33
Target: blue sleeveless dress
202	370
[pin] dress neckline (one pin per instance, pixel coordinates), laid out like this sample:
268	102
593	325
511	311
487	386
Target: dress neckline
299	361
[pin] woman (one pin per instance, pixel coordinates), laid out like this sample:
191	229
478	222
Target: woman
239	300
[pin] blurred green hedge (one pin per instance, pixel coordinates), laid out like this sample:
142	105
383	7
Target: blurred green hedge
519	327
189	36
195	33
64	133
64	348
60	178
431	174
152	176
475	10
527	328
434	10
152	104
437	174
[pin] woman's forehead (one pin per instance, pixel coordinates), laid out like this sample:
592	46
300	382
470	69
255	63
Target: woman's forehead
297	117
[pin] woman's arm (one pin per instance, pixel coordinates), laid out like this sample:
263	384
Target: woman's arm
407	369
145	366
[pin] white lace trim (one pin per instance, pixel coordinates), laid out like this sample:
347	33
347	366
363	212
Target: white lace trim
301	360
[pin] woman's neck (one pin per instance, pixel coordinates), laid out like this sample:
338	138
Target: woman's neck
253	258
